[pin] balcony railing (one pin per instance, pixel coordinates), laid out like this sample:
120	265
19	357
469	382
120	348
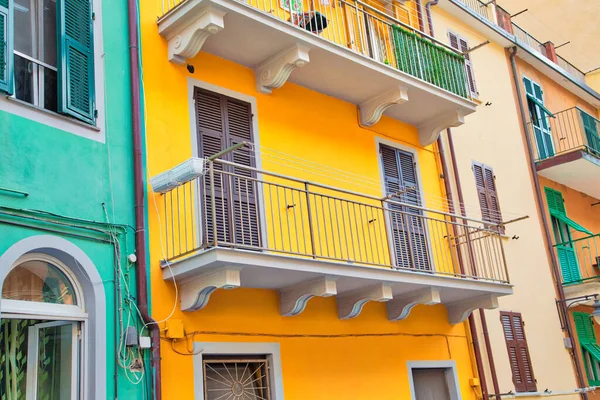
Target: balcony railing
563	132
579	259
233	206
478	7
373	32
529	40
571	69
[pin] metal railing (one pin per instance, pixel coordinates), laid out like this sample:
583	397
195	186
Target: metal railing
571	69
233	206
579	259
383	33
525	38
564	131
478	7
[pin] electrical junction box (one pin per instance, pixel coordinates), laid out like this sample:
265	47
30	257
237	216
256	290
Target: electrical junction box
184	172
174	329
131	338
474	382
145	342
568	343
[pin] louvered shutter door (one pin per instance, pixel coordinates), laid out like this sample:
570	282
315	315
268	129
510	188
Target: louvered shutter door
539	120
408	232
211	140
6	46
244	197
584	328
76	59
354	29
518	352
481	191
565	252
463	48
591	131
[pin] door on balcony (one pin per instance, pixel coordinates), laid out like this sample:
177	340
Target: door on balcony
407	225
590	125
222	122
565	251
539	117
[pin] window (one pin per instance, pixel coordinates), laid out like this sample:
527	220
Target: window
252	369
222	122
47	57
487	194
406	223
590	350
461	44
561	225
433	380
240	377
539	116
40	356
518	352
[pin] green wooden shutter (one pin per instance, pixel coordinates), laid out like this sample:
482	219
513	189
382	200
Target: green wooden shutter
590	125
6	46
565	252
584	328
539	119
587	341
76	59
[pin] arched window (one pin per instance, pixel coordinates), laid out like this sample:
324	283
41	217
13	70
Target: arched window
41	331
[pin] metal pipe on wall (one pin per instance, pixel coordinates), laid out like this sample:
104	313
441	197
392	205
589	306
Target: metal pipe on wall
139	198
548	237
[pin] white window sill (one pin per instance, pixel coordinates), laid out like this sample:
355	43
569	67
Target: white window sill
50	118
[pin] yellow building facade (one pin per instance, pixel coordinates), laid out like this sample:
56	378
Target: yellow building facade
315	256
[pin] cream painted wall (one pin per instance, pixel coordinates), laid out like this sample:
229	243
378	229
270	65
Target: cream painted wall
493	136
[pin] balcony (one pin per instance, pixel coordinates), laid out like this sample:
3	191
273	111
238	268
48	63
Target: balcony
348	49
579	261
236	226
566	147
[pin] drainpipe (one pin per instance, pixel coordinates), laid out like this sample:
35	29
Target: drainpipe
472	327
538	195
140	210
428	6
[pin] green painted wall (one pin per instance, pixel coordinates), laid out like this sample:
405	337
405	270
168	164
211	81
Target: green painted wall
74	176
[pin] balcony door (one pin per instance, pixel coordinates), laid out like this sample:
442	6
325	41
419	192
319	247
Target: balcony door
407	225
539	117
590	125
222	122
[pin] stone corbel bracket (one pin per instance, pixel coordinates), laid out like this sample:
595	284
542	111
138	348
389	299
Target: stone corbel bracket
275	71
399	308
459	311
430	131
293	299
371	110
186	42
196	292
351	304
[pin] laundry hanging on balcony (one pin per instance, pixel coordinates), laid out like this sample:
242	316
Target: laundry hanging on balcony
312	21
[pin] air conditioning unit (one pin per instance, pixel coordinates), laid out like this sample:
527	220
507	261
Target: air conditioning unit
184	172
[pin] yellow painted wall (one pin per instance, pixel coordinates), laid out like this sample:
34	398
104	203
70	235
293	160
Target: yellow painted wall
493	136
326	358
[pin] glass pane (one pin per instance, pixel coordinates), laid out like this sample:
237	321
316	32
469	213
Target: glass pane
38	281
24	26
55	361
48	39
24	79
50	94
14	334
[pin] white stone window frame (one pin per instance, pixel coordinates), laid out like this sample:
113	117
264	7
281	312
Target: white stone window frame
79	269
449	367
269	350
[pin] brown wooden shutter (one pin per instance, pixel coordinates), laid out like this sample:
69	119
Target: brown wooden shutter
487	194
518	352
221	123
408	230
460	44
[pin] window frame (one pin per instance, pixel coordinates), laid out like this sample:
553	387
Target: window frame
74	315
94	131
449	367
270	350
